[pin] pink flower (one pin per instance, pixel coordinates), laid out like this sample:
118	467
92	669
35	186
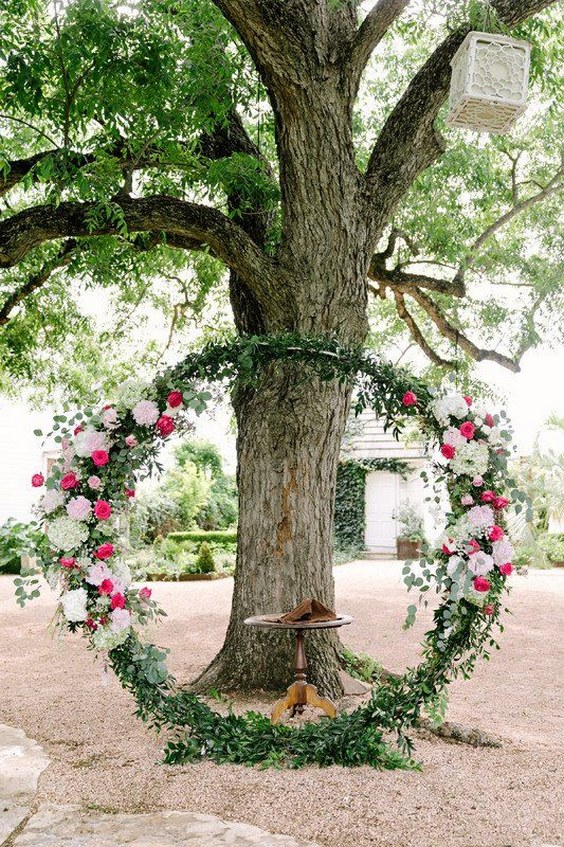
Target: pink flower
489	609
78	429
481	516
473	546
468	399
117	601
477	482
129	492
145	413
467	429
489	420
506	569
131	441
488	496
145	593
119	620
480	563
446	549
102	510
482	584
69	481
98	573
448	451
104	551
106	586
175	399
91	624
67	561
409	399
37	480
165	425
79	508
100	458
109	417
94	482
495	533
500	502
467	500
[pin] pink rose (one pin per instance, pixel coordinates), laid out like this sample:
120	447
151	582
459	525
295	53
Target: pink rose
145	593
488	496
131	441
91	625
130	492
37	480
104	551
500	502
165	425
79	508
477	482
489	609
175	399
117	601
94	482
467	429
482	584
449	547
106	586
473	546
495	533
467	399
78	429
467	500
102	510
409	399
69	481
67	561
489	420
100	458
506	569
448	451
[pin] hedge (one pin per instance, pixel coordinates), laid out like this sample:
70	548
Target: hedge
217	536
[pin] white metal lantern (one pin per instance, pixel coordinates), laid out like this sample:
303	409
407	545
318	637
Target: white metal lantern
488	89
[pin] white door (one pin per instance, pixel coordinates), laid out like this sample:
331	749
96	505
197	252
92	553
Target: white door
381	500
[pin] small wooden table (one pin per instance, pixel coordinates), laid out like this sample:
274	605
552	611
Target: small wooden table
301	693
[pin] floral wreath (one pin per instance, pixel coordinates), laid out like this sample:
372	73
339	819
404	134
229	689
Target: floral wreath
105	449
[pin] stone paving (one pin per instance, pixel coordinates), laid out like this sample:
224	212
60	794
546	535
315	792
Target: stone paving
48	825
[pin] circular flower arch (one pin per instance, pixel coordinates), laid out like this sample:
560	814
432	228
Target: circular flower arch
105	449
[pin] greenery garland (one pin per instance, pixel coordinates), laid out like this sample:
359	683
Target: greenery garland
103	451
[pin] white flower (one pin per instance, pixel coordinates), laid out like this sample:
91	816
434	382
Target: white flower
493	434
110	418
74	604
66	534
145	413
51	500
481	516
105	639
122	573
480	563
502	551
98	573
130	392
120	620
88	440
453	436
452	405
79	508
455	564
471	459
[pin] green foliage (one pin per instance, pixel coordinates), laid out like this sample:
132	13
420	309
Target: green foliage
553	545
155	513
222	539
410	521
18	539
205	561
350	519
361	666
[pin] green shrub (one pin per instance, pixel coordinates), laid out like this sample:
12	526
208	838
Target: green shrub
226	537
553	545
17	539
155	513
205	561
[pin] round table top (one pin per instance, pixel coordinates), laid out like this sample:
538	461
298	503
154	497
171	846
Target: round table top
267	622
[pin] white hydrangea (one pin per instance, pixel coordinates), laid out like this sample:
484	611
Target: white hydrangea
453	436
455	564
480	516
502	551
471	459
452	405
105	639
130	392
493	434
66	534
122	573
145	413
51	500
74	604
87	441
480	563
120	620
460	531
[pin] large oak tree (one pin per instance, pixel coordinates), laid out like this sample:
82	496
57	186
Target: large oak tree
143	138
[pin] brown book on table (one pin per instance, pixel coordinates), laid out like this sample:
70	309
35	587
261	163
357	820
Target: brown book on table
309	611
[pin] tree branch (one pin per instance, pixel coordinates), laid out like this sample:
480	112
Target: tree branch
405	282
416	333
194	225
37	280
370	33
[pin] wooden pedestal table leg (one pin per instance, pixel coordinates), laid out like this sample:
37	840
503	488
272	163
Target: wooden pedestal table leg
301	693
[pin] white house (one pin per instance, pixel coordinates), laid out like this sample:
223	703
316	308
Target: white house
384	490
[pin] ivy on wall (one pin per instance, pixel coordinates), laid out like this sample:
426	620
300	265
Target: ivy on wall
350	521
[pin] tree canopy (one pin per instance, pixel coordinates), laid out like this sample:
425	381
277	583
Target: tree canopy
139	158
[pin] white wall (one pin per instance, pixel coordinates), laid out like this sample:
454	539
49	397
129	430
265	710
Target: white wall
21	455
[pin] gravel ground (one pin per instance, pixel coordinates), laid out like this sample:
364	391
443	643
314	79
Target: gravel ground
103	757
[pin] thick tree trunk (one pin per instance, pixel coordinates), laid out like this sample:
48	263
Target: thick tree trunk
290	431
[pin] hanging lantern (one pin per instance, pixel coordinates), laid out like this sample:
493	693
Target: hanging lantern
488	89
